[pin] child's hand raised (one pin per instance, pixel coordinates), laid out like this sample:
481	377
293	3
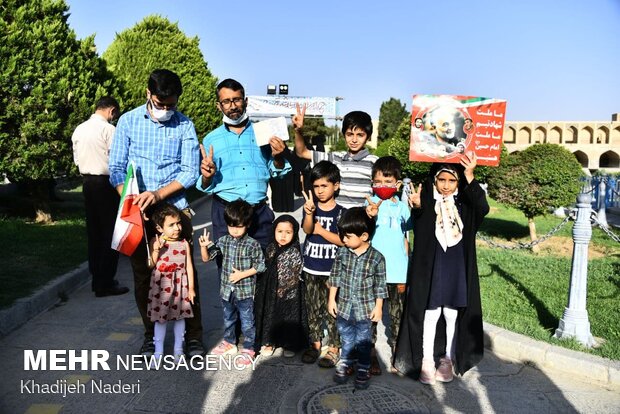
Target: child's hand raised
309	206
159	242
372	209
298	118
469	161
414	196
203	240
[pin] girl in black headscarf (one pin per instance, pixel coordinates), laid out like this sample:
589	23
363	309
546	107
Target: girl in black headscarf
281	314
441	331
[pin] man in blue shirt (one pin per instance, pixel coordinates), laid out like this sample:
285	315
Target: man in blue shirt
162	143
236	167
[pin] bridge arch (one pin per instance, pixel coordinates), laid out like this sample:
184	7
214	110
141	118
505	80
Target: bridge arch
586	135
524	136
602	135
555	135
609	159
573	135
540	135
582	158
511	136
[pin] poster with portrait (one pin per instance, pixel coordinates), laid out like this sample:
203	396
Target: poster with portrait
445	126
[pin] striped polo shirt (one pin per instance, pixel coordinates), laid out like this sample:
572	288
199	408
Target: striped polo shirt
355	173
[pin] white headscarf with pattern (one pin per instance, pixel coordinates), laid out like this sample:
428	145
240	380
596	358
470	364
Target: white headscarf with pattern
448	224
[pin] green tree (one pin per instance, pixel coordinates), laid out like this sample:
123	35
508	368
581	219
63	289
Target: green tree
536	180
391	115
314	132
50	82
156	43
398	146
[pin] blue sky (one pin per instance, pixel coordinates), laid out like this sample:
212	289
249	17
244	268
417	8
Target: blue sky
550	59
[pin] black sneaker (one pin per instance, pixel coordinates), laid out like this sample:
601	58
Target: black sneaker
148	348
362	379
341	375
194	348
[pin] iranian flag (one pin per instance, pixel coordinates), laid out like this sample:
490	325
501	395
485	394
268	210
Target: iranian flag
128	229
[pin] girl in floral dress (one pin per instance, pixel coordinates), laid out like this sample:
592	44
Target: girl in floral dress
171	292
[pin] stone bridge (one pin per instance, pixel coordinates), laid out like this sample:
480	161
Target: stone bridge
596	144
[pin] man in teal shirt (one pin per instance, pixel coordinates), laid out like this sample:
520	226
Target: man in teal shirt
234	167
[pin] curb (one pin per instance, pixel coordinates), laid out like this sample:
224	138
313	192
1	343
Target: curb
44	298
545	356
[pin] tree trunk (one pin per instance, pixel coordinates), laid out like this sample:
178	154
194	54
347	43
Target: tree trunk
532	226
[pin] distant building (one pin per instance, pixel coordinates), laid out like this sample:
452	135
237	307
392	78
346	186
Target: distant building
596	144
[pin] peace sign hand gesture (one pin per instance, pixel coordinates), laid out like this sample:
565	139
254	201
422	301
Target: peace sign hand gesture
372	209
203	240
207	167
309	206
414	196
298	118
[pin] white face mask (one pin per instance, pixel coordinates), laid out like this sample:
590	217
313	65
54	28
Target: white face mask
235	122
162	115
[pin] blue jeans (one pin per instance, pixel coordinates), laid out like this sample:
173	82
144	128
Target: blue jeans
355	335
239	309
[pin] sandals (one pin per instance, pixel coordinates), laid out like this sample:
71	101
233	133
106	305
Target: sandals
267	350
330	358
310	356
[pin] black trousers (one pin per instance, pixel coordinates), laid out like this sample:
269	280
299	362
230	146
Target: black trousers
101	203
142	281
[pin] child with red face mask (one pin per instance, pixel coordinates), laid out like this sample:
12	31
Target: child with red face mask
393	220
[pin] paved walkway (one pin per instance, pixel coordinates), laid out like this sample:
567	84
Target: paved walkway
278	384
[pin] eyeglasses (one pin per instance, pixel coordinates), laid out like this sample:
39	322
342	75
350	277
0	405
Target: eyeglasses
227	102
168	107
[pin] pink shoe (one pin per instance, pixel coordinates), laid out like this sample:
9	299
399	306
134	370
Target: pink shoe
247	356
444	372
427	374
224	348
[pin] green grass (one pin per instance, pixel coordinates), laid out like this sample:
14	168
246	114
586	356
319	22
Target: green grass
526	292
37	253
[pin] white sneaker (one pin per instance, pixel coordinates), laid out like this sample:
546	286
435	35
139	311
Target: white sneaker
156	360
427	374
444	372
178	356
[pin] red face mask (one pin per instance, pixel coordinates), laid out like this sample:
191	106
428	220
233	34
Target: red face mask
383	192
